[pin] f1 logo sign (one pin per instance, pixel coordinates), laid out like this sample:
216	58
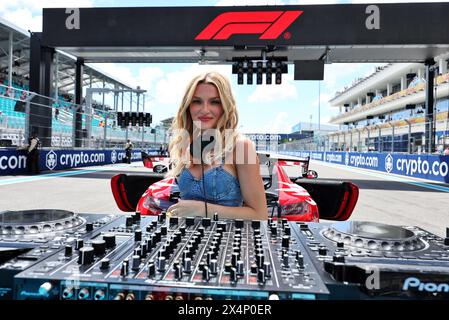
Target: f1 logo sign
270	24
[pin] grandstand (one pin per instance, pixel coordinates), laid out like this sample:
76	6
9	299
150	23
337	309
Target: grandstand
386	110
14	70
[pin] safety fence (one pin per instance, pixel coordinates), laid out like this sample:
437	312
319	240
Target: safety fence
407	136
14	162
425	166
60	123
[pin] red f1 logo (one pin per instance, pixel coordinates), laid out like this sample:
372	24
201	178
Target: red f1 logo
270	23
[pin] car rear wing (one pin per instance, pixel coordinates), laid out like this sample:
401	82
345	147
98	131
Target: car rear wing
128	189
148	161
336	200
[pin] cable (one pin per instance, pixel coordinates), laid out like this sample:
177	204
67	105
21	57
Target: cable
202	178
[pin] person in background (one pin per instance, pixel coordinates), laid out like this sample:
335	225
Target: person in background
33	154
128	150
446	151
161	150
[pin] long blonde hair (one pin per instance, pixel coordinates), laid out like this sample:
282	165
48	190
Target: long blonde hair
182	125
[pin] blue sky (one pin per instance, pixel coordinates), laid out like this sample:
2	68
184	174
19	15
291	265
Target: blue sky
274	108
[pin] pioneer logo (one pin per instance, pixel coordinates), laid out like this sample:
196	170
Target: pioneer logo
422	286
270	24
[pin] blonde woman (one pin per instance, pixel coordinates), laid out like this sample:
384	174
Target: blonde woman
223	178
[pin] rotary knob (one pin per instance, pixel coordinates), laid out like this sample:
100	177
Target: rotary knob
89	226
160	218
68	250
164	230
182	230
161	263
287	230
338	258
215	216
151	269
129	221
124	270
300	259
201	231
109	240
238	223
234	259
267	269
273	229
178	272
239	268
79	244
233	275
227	267
187	265
190	221
285	241
144	249
174	221
135	262
104	264
260	260
99	247
255	224
86	255
210	256
285	260
322	251
261	276
206	273
138	235
205	222
213	266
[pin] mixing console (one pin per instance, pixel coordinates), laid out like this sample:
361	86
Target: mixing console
98	257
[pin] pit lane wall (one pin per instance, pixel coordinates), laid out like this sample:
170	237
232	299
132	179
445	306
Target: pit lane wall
431	167
13	162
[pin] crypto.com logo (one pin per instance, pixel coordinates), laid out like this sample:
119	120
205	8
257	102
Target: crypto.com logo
113	156
347	158
270	24
51	160
388	163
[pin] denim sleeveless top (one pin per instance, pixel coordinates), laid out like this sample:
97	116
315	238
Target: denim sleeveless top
222	188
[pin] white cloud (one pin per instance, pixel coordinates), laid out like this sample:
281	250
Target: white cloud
24	19
270	93
281	124
27	14
165	88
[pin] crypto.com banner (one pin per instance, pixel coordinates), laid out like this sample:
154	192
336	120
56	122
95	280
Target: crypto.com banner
431	167
13	162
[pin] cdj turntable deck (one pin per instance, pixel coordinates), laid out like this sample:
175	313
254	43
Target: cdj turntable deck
56	254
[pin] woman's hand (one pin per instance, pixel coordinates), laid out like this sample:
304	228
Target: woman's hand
186	208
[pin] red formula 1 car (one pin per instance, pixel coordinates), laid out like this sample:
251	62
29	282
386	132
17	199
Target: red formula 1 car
302	200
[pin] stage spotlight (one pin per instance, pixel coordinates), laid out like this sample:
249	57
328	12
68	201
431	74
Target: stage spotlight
278	75
269	72
240	72
259	73
249	73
